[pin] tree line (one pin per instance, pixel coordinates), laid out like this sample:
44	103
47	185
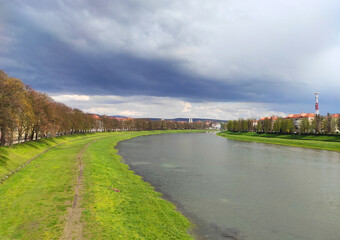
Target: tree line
320	124
29	114
113	124
26	114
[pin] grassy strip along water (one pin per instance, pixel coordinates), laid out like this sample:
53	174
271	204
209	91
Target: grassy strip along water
331	143
119	205
116	203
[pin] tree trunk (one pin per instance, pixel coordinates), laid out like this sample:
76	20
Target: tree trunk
3	137
19	135
11	138
32	135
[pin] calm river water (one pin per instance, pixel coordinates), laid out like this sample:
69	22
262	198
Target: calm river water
240	190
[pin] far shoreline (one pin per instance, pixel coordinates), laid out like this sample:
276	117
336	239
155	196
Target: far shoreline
331	143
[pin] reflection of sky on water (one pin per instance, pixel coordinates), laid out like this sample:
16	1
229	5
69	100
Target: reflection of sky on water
243	190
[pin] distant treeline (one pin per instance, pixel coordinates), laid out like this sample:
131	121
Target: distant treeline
130	124
26	114
317	125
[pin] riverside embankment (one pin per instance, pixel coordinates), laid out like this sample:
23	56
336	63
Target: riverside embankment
322	142
81	174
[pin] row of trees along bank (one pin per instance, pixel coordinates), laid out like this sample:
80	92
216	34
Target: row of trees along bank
104	123
319	125
26	114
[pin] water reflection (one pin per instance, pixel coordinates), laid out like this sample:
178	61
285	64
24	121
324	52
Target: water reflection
241	190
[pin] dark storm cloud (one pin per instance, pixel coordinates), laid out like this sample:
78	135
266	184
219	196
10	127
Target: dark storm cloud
54	67
49	64
201	51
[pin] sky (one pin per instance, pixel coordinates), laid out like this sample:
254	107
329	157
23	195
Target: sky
222	59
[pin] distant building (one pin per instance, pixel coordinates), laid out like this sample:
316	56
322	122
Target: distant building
266	123
98	123
216	126
272	119
94	116
297	118
335	119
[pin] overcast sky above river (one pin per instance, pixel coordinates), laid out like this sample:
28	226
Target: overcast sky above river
217	59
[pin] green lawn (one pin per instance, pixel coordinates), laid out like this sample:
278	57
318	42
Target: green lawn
137	211
14	156
331	143
34	201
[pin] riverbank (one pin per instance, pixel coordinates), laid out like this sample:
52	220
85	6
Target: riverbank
331	143
38	201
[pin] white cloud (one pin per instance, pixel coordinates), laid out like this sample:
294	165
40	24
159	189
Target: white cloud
130	113
71	98
164	107
187	107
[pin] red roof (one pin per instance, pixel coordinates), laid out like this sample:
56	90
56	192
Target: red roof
121	119
301	115
336	115
269	118
94	116
307	115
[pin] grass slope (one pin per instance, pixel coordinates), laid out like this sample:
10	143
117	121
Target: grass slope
331	143
14	156
137	211
34	201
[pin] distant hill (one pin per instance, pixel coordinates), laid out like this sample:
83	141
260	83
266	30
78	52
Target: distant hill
118	116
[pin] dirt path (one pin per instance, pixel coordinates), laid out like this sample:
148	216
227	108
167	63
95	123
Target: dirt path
73	227
9	174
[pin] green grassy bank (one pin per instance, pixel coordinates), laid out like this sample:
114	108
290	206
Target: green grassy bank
34	201
331	143
11	157
137	211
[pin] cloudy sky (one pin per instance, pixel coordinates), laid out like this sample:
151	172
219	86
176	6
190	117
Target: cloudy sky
221	59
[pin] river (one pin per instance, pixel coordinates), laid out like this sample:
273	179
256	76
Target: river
242	190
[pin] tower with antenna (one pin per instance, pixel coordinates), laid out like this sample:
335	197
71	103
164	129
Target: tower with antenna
317	103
